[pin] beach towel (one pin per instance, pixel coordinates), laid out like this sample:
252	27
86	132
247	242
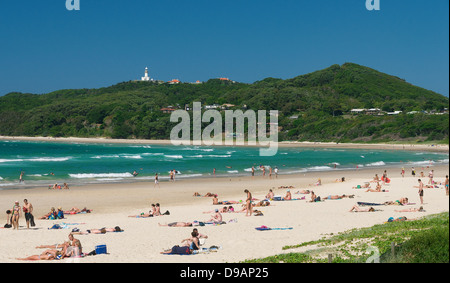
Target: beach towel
265	228
369	203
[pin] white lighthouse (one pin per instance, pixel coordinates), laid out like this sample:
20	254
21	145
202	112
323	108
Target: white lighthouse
146	77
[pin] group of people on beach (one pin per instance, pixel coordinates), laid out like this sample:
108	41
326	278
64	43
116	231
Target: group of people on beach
13	215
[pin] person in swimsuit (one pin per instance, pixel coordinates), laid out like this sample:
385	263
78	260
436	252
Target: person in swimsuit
98	231
156	180
420	191
46	255
15	215
357	209
248	203
28	209
177	224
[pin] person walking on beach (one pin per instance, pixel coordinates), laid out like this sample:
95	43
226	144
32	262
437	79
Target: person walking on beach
420	191
15	215
28	209
276	172
253	172
248	203
156	180
413	172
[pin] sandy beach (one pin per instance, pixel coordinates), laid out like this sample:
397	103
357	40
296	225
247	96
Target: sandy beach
393	146
143	239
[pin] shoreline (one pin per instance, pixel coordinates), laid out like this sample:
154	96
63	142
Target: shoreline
410	147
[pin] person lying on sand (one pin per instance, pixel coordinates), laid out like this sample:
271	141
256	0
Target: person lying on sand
365	186
98	231
75	210
177	224
377	189
401	201
224	209
46	255
412	210
339	197
305	192
318	183
286	187
142	215
356	208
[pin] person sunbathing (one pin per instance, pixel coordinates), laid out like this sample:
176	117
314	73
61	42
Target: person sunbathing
177	224
412	210
401	201
46	255
288	195
305	192
339	197
143	215
356	208
97	231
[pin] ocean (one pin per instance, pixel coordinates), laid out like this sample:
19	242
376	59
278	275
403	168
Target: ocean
47	163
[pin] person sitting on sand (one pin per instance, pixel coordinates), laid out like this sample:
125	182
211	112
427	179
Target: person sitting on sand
356	208
340	180
217	217
193	242
215	200
270	195
177	224
376	179
314	198
51	215
412	210
288	195
66	187
98	231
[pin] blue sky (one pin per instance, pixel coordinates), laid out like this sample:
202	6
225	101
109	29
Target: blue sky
44	47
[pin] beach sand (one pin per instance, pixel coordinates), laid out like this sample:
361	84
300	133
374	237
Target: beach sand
143	239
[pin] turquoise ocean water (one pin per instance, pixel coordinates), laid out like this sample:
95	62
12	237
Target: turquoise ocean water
46	163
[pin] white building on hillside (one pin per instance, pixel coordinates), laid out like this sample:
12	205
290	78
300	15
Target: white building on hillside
146	78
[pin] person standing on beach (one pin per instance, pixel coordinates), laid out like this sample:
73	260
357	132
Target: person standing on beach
248	203
253	171
420	191
28	209
171	175
413	172
156	180
276	172
15	215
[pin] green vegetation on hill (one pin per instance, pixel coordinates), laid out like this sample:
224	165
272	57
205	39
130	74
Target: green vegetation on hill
312	107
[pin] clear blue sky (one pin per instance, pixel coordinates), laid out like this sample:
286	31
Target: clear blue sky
44	47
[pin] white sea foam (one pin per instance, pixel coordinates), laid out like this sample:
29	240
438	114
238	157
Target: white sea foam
319	168
378	163
105	156
136	156
174	156
233	171
100	175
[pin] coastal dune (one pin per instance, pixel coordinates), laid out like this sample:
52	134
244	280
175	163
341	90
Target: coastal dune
143	238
